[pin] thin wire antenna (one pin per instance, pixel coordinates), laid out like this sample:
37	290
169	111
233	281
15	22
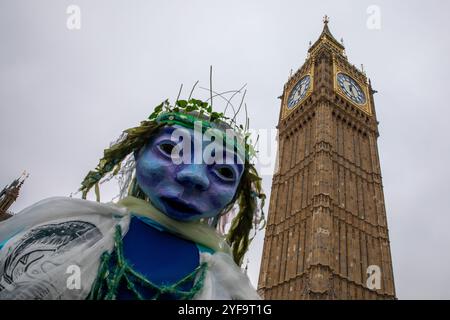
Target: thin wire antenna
210	85
179	92
192	91
256	142
238	91
240	105
247	120
217	94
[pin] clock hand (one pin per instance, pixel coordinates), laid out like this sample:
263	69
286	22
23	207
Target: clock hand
347	86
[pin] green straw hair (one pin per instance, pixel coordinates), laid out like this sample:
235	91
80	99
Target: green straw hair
134	139
248	194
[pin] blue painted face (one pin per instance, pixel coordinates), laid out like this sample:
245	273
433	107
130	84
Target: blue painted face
185	191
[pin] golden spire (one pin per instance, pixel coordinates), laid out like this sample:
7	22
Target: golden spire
326	30
327	37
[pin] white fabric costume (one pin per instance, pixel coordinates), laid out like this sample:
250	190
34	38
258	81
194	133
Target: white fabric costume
43	247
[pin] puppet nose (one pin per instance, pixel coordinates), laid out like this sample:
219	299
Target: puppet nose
193	176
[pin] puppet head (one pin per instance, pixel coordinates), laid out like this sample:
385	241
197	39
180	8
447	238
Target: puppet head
181	186
192	164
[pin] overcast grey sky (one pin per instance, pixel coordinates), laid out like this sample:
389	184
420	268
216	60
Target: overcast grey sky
66	94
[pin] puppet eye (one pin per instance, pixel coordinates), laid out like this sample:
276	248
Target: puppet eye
166	148
225	173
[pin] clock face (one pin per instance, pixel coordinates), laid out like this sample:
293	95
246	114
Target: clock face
299	91
351	88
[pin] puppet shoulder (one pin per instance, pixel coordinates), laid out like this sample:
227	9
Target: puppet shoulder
224	280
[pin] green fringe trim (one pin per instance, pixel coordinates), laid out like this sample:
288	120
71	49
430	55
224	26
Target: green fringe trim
111	276
249	191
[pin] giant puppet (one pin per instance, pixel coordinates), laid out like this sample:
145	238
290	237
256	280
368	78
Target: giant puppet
164	238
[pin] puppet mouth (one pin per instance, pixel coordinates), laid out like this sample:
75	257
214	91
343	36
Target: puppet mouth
179	206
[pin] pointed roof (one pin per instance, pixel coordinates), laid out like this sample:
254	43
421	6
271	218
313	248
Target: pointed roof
325	36
9	194
15	185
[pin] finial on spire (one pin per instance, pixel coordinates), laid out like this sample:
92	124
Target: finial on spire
326	19
24	176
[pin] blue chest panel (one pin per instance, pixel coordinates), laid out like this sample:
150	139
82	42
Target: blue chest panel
158	255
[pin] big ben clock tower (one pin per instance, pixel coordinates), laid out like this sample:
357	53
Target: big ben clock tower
327	234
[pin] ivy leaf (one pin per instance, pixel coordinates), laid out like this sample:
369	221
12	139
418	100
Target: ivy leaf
182	103
216	116
196	102
190	108
159	107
